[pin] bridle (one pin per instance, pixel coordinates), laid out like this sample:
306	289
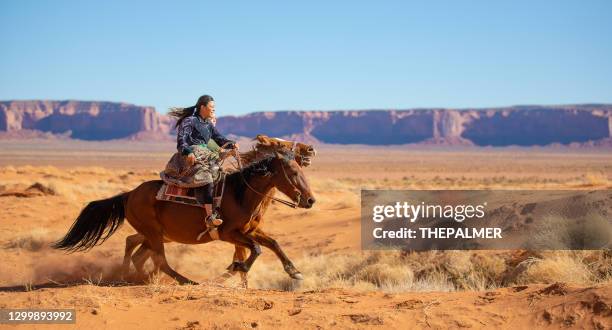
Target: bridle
291	204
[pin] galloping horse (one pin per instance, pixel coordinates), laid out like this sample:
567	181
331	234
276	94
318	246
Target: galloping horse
156	222
265	145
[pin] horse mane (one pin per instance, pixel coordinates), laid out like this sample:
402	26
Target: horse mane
258	152
256	162
255	168
249	157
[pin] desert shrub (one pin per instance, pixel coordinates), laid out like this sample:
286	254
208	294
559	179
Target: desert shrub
559	267
34	240
559	233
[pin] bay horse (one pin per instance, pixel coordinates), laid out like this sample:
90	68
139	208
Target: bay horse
157	222
265	145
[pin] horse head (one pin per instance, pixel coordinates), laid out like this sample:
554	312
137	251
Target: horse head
288	177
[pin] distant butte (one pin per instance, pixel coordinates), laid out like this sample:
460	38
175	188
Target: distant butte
576	125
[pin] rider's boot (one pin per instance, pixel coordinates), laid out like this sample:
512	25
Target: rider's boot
212	219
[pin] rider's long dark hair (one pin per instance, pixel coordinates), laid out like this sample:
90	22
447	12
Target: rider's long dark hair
181	113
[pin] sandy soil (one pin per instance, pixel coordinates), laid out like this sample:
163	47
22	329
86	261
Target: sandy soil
344	286
213	307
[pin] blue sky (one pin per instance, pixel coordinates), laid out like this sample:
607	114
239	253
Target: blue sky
294	55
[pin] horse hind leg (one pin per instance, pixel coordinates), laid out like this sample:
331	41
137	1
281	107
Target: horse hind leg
140	257
160	262
131	242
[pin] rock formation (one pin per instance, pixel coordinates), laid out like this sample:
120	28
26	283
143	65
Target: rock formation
589	124
82	119
523	126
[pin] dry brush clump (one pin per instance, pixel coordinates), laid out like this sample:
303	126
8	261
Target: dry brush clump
34	240
563	260
558	267
592	230
596	179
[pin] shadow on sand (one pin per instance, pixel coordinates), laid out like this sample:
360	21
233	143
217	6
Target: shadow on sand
56	285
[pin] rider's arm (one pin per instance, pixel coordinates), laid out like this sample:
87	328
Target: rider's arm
183	136
220	139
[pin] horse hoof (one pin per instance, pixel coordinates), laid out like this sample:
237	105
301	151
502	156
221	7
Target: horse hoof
238	266
241	267
190	283
297	276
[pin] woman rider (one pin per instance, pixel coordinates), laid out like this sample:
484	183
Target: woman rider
195	127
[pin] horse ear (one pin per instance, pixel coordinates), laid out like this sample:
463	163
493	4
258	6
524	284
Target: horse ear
307	150
278	155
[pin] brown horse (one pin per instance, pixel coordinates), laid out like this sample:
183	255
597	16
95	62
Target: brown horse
160	221
265	145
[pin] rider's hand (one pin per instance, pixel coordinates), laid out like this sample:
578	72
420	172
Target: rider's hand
191	159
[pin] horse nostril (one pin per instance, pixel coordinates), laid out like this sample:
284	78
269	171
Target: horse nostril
310	201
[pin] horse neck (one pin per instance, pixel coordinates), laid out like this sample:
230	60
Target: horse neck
253	199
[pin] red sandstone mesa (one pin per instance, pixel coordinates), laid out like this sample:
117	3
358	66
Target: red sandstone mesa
521	125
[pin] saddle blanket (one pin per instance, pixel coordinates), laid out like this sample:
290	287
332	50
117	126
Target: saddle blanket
176	194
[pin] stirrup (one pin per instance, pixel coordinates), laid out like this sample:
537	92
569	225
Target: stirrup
213	221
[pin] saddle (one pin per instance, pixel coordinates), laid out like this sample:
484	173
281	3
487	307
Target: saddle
173	193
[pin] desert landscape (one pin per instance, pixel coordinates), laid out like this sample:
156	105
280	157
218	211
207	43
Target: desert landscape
462	175
44	184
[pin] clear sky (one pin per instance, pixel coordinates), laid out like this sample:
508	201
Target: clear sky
297	55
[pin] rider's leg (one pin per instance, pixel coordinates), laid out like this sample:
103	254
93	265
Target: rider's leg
204	195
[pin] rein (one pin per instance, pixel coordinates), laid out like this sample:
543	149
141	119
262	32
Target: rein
288	203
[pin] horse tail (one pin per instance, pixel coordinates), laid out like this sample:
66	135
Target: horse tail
96	223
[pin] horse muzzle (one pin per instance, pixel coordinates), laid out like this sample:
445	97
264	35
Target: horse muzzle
307	203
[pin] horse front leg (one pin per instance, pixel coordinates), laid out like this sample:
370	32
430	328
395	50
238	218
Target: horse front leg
243	240
262	238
